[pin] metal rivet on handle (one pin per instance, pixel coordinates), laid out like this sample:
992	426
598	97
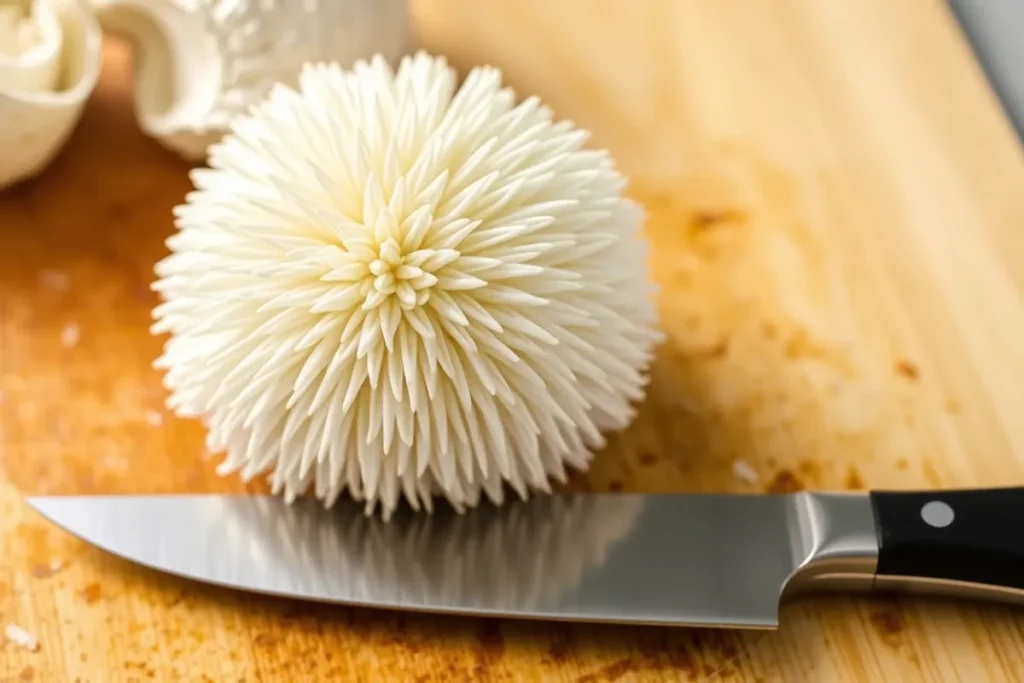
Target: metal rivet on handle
937	514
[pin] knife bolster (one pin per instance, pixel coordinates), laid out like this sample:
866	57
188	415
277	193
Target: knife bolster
834	542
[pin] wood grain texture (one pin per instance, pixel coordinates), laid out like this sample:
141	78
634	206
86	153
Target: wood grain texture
836	207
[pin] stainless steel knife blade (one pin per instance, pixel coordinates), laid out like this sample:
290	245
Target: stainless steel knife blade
708	560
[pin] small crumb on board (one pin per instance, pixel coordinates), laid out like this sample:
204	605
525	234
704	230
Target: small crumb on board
42	571
21	637
54	279
742	470
70	335
154	418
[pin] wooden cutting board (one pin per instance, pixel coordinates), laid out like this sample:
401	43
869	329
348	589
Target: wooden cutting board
836	204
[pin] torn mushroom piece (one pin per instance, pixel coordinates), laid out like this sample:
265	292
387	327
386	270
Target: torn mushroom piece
49	64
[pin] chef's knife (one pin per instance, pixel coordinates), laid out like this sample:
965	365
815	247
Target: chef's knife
680	559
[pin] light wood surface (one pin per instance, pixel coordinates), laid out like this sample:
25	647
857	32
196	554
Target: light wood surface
836	204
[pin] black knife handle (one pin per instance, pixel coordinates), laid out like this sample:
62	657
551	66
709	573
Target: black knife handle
969	535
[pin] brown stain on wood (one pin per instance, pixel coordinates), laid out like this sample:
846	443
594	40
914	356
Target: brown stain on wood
92	593
264	640
490	647
610	672
785	482
560	649
716	350
907	369
45	571
811	473
796	239
702	220
889	625
853	481
800	345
